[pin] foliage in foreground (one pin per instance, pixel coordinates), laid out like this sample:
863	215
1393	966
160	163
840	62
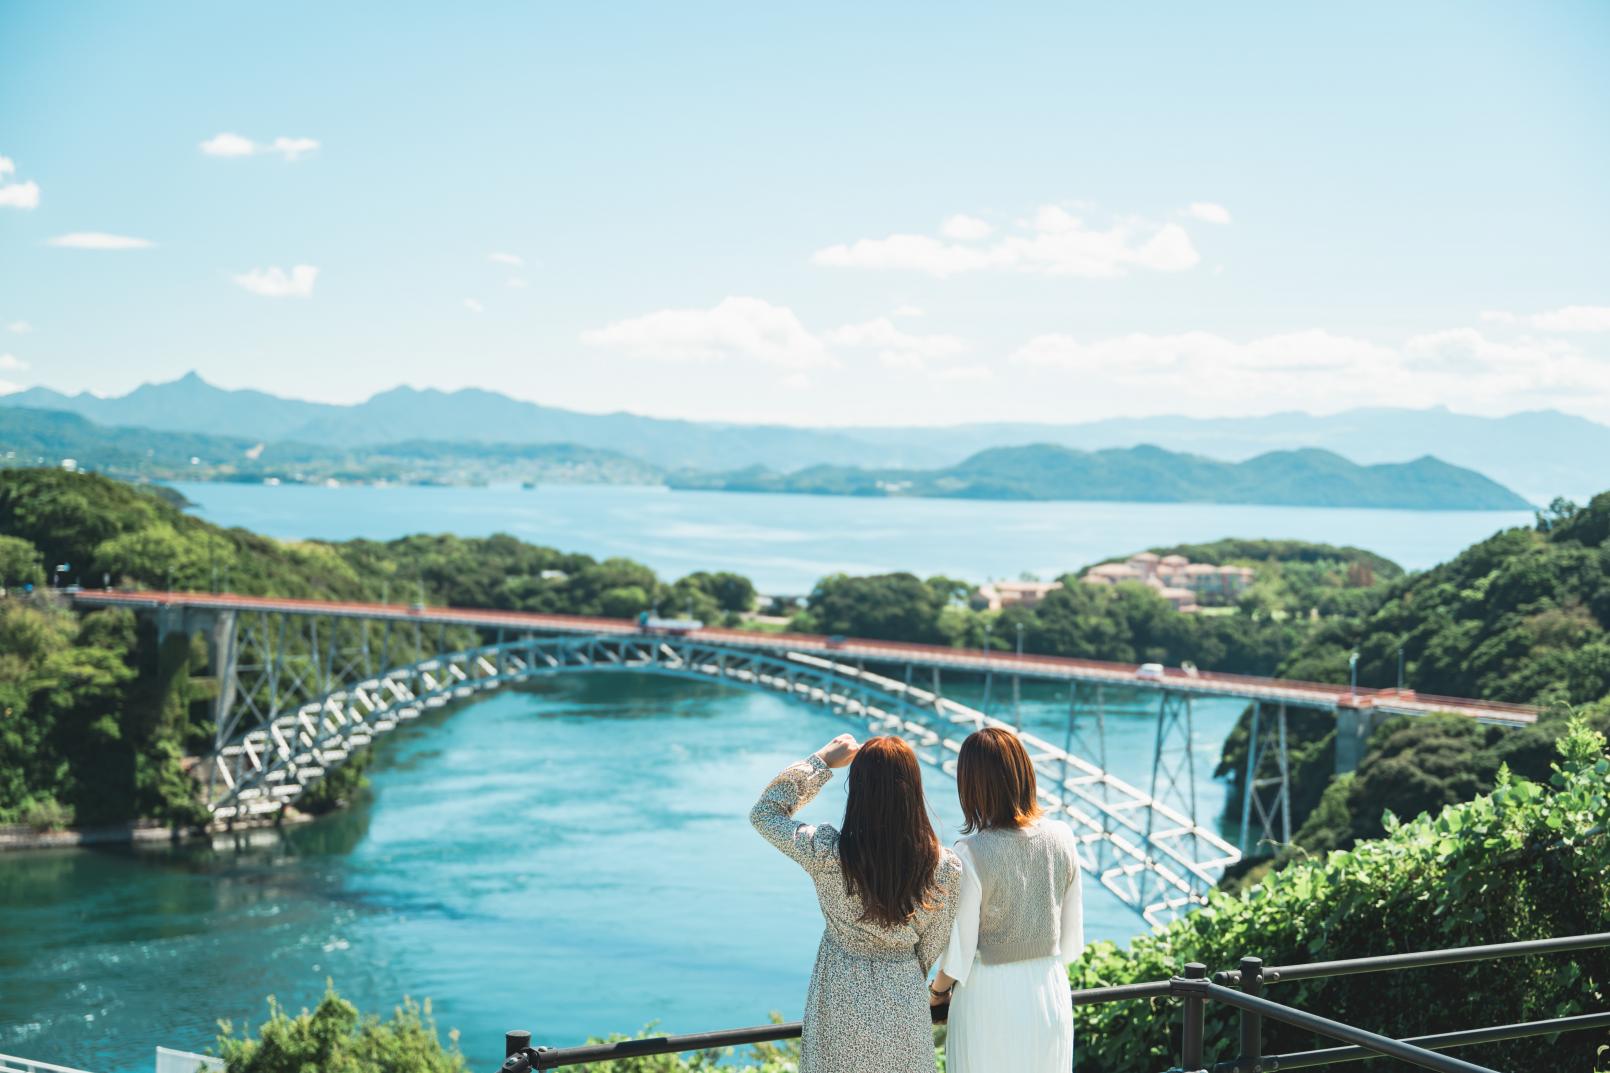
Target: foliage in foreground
1529	861
334	1038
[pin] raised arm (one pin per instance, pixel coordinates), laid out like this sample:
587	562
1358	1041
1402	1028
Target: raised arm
792	790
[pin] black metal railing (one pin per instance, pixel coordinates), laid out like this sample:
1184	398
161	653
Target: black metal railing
1195	990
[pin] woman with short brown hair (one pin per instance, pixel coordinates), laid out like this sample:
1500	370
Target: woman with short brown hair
1019	921
887	889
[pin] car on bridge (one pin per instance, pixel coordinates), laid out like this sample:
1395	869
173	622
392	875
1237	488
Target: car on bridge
1150	671
649	622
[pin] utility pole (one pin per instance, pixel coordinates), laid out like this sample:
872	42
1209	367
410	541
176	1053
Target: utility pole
1400	668
1017	678
989	671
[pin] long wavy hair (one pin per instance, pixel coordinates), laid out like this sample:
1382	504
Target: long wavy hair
888	851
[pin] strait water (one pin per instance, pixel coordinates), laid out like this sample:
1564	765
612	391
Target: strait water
786	542
575	859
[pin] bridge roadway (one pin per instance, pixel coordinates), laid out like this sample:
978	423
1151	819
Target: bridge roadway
1320	695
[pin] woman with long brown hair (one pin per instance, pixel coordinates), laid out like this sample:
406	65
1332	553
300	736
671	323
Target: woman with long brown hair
1019	922
887	890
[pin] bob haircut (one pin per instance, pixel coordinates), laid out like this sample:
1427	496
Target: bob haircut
888	852
995	781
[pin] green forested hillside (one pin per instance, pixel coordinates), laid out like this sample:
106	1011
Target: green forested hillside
96	720
31	437
1145	475
1522	616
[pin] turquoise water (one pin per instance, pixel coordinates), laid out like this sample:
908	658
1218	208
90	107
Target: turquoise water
785	542
575	860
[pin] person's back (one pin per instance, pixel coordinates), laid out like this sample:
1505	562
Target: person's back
1024	876
1019	920
887	891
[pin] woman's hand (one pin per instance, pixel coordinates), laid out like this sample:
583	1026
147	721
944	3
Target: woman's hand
938	998
839	751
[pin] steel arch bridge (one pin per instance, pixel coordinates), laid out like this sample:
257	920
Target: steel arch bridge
1153	855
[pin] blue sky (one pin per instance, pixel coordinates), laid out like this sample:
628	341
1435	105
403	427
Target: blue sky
841	214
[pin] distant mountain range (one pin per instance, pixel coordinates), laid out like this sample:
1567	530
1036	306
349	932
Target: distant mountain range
190	404
1540	454
1306	478
30	437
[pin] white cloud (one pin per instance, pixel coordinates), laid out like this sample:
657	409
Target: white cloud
1574	319
506	258
1320	371
1208	212
736	328
16	195
20	195
908	311
9	388
293	148
277	283
12	364
895	348
1567	319
966	228
474	306
1054	242
227	144
99	240
19	327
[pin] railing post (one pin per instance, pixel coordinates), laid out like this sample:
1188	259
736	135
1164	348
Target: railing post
516	1041
1195	1010
1250	1059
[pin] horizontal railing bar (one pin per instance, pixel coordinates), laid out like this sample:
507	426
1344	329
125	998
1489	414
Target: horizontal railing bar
1095	996
1363	1044
1323	1026
1438	1042
636	1048
1425	958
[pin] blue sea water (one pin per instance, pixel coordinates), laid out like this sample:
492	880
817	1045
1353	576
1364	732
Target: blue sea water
573	859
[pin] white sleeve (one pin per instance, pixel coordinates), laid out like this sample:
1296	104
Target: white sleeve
1071	939
957	960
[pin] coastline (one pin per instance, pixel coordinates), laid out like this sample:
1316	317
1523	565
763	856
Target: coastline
20	838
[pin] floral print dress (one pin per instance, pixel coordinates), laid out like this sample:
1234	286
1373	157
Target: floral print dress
867	1009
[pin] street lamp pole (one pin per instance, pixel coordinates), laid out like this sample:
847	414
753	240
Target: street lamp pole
1017	678
989	671
1352	673
1400	668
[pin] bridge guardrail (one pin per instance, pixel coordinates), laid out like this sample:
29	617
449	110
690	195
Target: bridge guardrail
1195	989
1298	692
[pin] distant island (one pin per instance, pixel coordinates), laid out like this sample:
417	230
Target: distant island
1303	478
1307	477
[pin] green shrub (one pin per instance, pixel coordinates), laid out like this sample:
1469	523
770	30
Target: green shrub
335	1038
1528	861
46	814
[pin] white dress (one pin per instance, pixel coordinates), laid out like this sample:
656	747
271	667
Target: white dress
1014	1017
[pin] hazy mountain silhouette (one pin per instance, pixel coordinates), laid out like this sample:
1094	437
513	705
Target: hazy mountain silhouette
1308	477
1539	453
